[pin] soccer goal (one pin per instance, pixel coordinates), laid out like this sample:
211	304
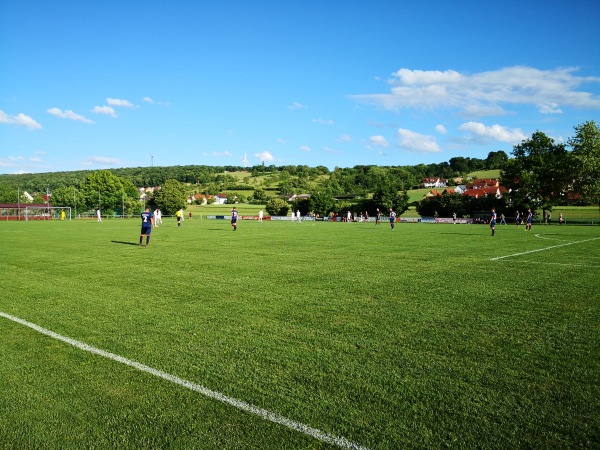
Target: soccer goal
37	212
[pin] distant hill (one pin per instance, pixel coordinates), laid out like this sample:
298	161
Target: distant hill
494	173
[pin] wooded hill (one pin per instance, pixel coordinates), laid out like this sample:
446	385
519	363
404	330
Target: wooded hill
291	179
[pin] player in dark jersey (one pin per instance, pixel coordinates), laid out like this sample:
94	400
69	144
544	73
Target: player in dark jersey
529	220
493	221
147	225
234	218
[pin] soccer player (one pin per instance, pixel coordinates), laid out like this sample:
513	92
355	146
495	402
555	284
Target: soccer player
234	218
147	225
378	217
392	218
493	221
529	220
179	215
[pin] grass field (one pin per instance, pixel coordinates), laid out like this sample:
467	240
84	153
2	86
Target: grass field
320	335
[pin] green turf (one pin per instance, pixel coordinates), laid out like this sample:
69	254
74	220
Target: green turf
412	338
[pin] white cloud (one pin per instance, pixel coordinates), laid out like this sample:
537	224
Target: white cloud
106	110
330	150
102	160
226	154
305	148
323	121
295	105
549	108
68	114
119	102
378	141
8	162
476	111
148	100
484	134
20	119
485	93
416	142
281	141
344	138
33	159
264	156
441	129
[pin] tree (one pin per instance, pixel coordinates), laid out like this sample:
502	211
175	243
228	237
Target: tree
277	207
387	196
586	153
102	189
540	172
170	198
321	202
496	160
259	195
67	196
9	194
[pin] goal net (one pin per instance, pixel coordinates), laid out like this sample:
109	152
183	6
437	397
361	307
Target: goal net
27	212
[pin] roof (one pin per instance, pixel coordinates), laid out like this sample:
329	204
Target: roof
23	205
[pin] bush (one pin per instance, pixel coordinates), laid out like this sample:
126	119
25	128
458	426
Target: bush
277	207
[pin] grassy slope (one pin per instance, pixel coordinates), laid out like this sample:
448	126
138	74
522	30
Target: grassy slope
410	338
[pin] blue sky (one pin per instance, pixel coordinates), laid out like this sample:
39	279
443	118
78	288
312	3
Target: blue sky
95	85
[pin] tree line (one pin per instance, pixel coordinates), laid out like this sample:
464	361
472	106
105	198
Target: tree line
541	173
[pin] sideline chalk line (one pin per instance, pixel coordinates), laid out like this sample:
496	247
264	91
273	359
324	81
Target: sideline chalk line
238	404
542	249
585	266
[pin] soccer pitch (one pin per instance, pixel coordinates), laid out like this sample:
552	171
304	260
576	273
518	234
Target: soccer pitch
298	336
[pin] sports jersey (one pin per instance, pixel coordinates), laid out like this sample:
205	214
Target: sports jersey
146	222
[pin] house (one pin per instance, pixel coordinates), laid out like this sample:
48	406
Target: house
432	193
436	182
497	192
198	199
460	189
483	183
297	197
220	199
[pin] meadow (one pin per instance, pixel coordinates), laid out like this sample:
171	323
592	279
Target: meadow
298	336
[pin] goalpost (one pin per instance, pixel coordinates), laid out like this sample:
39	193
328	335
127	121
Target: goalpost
37	212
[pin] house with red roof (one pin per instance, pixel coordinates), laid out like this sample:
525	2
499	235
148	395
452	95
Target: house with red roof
435	182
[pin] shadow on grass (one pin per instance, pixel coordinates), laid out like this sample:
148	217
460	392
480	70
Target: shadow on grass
125	243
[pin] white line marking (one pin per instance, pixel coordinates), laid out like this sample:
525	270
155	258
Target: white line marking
542	249
550	239
521	261
239	404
